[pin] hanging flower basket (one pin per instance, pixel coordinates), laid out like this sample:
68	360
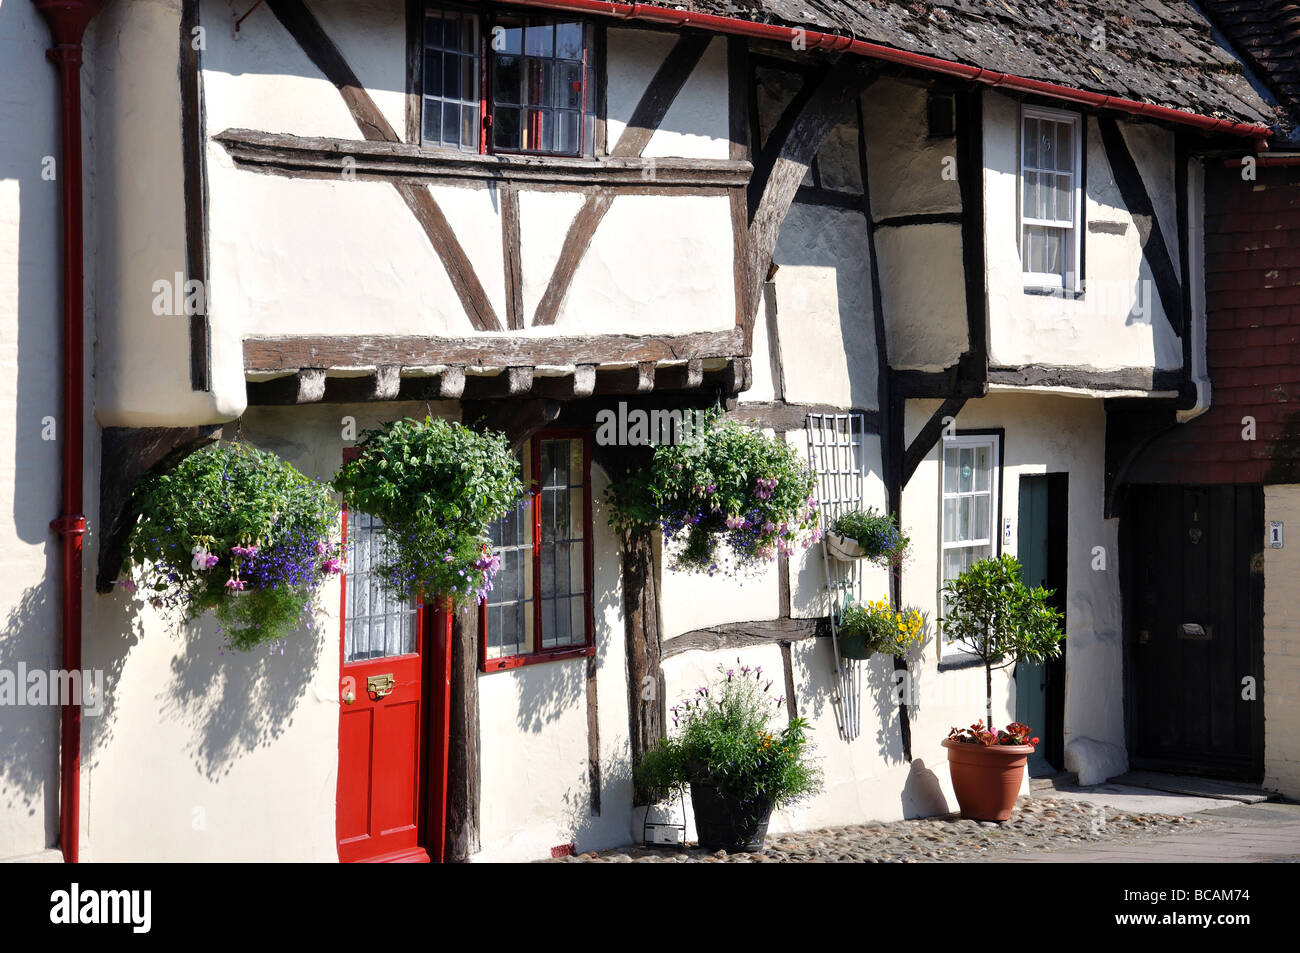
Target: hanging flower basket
844	548
728	500
869	535
437	486
236	531
868	628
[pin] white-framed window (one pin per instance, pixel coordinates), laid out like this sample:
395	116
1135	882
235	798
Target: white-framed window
1051	198
970	484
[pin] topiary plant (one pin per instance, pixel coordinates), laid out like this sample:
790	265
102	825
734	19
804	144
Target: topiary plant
990	610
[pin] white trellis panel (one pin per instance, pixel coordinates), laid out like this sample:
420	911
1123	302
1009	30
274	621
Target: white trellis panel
838	456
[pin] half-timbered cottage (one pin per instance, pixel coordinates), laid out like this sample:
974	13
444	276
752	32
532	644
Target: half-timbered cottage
930	245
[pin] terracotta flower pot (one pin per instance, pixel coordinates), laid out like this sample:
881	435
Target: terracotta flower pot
986	778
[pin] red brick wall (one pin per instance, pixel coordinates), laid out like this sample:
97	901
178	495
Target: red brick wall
1252	277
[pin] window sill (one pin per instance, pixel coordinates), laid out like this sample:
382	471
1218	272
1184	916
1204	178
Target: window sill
959	660
1054	291
407	162
536	658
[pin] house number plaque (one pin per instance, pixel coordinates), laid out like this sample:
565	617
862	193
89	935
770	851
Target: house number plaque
1275	534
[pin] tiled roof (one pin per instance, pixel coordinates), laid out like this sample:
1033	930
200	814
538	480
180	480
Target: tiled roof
1151	51
1267	34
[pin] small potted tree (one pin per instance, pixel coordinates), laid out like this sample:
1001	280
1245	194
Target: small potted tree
738	768
990	611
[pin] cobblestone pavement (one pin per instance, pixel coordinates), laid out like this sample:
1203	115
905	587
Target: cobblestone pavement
1040	825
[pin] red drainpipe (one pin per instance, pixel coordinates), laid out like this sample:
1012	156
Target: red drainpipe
813	40
67	20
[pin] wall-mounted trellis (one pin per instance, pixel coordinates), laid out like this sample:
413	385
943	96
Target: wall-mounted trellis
836	448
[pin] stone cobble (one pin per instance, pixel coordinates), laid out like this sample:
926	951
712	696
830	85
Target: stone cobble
1039	825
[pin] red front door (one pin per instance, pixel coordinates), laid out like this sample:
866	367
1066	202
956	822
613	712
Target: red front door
384	711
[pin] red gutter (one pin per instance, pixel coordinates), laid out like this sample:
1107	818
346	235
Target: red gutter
67	20
824	41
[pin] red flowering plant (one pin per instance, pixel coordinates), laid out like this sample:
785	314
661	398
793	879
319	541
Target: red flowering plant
1016	733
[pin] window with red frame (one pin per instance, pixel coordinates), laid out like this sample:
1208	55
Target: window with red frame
540	607
508	83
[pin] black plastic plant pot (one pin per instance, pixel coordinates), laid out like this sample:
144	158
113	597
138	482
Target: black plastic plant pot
855	646
725	822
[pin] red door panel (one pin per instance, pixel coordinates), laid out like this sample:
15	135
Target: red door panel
382	713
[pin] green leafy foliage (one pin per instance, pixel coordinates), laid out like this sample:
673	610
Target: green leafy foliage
883	629
990	610
723	737
237	531
728	499
437	486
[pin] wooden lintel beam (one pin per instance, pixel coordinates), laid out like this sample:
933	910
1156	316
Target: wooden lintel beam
735	635
291	352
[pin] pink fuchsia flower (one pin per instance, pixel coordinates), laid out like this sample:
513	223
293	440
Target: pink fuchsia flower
244	552
320	548
211	560
129	585
236	585
332	566
737	522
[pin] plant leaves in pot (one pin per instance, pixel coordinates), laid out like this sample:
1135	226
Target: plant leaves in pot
737	767
991	612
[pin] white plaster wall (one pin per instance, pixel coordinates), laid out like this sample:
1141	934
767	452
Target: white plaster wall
260	79
1043	434
696	124
905	167
311	266
544	219
824	308
656	265
1281	676
30	376
536	792
1108	327
205	755
142	360
923	293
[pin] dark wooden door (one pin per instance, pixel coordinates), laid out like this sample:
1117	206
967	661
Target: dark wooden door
1042	547
1194	597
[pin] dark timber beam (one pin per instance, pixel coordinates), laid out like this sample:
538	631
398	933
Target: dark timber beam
973	365
929	435
785	161
1138	201
127	454
739	635
321	157
195	168
290	352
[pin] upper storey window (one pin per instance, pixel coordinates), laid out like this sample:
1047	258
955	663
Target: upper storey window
1051	218
509	84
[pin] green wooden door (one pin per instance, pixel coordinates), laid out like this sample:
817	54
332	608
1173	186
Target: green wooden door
1041	548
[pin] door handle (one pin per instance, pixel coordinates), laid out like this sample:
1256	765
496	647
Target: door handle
1192	630
380	685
